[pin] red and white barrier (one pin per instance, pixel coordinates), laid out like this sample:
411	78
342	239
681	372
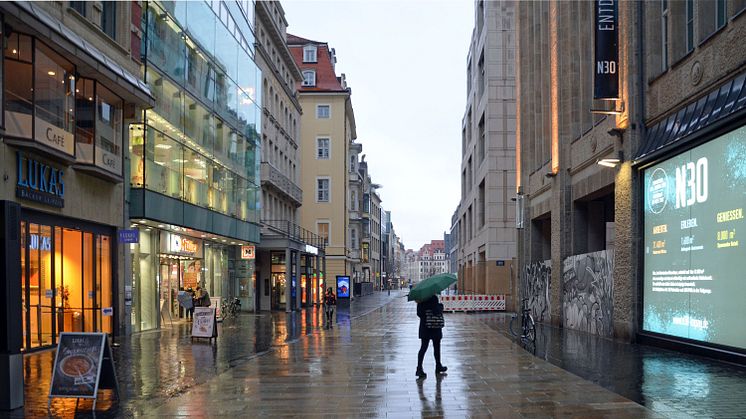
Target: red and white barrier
473	302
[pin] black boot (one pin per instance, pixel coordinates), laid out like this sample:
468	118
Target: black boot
440	369
420	373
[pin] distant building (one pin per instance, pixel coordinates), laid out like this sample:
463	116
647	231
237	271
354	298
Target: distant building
487	236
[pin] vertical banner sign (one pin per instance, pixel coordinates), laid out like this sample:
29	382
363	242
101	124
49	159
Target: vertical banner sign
606	63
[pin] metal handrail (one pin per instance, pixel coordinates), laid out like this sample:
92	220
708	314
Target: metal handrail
293	231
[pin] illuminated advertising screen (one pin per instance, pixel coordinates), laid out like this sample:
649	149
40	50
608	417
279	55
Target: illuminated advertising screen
343	286
695	260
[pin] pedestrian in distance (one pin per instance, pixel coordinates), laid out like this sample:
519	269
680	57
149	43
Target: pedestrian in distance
202	298
190	310
430	312
330	301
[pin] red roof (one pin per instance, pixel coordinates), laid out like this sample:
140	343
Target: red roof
326	78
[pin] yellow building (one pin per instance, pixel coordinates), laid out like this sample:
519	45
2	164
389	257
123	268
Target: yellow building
327	130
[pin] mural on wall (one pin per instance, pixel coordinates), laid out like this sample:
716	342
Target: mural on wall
588	293
536	278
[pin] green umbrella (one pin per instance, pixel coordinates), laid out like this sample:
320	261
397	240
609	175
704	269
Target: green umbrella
431	286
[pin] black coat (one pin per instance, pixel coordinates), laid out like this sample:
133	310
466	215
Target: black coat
429	304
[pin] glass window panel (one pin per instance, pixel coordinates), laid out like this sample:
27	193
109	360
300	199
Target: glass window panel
222	140
166	49
109	108
201	25
89	293
137	156
109	18
24	286
226	51
221	197
198	125
199	75
18	82
226	96
103	283
247	76
54	87
248	114
167	114
242	199
237	153
195	178
72	272
164	163
85	109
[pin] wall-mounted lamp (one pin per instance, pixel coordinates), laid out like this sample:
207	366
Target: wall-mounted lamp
616	132
611	161
550	174
618	108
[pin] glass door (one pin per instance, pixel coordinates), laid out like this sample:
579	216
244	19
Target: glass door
278	291
38	299
169	288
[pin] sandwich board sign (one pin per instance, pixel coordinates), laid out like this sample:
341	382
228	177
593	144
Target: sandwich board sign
203	323
83	364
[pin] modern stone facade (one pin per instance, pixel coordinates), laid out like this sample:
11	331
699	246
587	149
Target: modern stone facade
486	213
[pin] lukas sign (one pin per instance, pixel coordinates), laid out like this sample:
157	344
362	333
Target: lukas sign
39	182
606	62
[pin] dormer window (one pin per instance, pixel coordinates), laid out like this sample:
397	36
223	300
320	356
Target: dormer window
309	78
309	54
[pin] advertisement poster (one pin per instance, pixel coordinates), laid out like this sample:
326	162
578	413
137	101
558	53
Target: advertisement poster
77	365
203	323
343	286
694	262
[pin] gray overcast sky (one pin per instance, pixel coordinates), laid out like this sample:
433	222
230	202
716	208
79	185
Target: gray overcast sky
406	64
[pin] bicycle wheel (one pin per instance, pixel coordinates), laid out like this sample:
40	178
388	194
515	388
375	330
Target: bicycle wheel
530	329
510	328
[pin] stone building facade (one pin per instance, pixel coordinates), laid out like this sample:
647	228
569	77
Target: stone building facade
604	210
487	236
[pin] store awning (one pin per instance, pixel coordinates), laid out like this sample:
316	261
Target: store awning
723	104
90	60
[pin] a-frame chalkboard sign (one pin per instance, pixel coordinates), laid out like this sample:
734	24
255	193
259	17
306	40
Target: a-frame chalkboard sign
83	365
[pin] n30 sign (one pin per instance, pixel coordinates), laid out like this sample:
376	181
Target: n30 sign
606	63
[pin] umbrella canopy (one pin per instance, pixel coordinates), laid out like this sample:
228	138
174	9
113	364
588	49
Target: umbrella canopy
431	286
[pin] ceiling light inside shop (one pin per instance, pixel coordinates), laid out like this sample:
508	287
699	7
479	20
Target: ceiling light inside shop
15	51
160	226
163	146
51	73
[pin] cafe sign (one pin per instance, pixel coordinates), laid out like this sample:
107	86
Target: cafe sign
39	182
606	62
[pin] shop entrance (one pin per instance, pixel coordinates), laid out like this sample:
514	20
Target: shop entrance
66	280
177	273
278	291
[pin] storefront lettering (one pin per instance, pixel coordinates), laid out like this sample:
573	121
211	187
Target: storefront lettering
39	182
691	183
188	246
37	242
59	140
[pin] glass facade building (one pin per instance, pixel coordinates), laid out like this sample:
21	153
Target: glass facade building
194	161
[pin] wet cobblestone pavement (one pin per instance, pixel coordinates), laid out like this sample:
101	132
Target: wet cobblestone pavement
272	365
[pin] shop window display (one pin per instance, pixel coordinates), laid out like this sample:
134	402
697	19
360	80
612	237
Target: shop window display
108	130
85	107
65	281
54	101
18	82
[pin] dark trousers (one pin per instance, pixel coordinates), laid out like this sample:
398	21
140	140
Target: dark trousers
423	349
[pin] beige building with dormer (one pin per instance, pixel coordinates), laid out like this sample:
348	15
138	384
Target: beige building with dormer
326	134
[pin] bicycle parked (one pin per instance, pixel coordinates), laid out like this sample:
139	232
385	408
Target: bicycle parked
230	308
528	327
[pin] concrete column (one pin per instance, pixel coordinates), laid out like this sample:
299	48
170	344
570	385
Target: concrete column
11	333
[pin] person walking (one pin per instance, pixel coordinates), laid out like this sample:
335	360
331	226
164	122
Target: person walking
430	312
330	301
202	297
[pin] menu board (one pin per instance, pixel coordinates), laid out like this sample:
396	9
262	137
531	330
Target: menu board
203	323
82	365
694	262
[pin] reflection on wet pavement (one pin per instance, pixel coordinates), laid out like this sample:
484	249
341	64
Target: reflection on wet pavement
670	383
277	364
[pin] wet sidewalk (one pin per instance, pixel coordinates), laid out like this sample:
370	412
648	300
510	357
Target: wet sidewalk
674	384
278	364
155	366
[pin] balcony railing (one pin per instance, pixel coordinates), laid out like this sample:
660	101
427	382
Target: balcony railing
274	177
293	231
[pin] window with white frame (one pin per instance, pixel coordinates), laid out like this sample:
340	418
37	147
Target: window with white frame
309	78
322	149
309	54
323	230
323	112
322	189
353	200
